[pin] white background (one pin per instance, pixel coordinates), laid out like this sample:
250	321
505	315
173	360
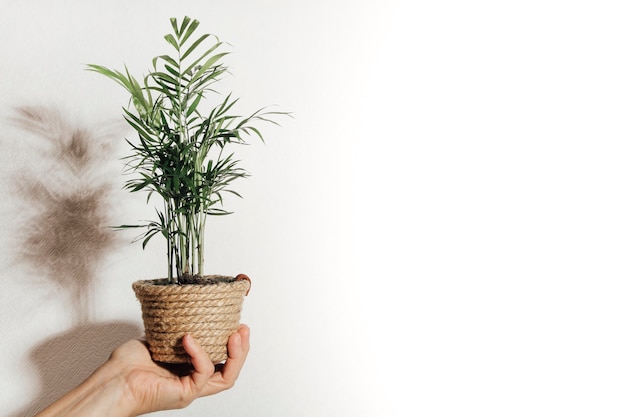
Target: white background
439	231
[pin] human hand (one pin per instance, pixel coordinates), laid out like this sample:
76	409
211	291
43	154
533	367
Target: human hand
150	387
130	383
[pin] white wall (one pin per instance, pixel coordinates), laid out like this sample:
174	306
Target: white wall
438	232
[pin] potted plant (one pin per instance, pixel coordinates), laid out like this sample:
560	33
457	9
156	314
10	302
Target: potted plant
182	154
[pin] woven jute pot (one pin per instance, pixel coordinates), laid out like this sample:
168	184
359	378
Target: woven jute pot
209	311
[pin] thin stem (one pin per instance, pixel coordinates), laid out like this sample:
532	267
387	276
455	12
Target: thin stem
201	243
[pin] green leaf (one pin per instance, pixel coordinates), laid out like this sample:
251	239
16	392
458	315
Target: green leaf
168	59
172	41
208	64
195	45
189	31
194	105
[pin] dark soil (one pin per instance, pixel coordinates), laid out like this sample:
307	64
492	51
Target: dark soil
187	279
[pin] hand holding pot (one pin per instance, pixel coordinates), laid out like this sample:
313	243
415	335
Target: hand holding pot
130	383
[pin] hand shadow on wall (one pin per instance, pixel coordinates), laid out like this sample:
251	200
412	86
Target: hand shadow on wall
67	359
63	189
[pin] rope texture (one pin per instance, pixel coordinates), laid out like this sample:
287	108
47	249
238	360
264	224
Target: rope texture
210	313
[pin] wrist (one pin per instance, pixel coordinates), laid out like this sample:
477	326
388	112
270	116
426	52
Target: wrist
113	383
102	394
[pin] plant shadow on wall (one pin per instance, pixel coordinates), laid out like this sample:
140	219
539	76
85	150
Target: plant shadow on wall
64	195
63	191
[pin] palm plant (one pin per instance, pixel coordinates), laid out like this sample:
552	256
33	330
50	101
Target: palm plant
182	150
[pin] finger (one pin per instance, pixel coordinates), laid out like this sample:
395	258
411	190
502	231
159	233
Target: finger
238	348
245	338
203	367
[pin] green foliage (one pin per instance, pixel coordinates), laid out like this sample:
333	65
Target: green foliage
182	150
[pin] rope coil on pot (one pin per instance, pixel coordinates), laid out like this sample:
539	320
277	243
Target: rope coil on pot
209	312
